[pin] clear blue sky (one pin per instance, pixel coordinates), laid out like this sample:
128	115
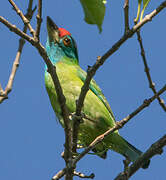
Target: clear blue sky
31	140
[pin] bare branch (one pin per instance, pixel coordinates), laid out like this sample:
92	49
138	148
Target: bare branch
60	95
2	93
16	30
92	70
126	15
156	148
24	19
15	66
52	71
17	58
118	125
39	20
151	84
81	175
62	102
60	174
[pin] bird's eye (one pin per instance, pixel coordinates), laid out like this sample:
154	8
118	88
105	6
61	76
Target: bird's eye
66	42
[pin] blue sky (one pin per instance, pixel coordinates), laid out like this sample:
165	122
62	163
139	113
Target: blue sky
30	136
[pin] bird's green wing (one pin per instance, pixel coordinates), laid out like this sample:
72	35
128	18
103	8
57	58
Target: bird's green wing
96	90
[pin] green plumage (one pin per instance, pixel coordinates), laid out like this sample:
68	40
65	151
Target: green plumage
95	107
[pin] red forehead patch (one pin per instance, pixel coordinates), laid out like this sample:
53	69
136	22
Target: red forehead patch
63	32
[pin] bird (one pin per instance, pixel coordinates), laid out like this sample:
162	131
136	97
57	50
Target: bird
62	52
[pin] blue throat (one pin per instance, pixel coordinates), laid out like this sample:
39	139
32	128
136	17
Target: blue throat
54	52
58	52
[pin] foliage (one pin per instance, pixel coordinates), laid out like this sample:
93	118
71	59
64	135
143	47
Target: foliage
94	11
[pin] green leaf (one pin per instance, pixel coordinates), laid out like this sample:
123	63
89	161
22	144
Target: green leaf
94	12
145	3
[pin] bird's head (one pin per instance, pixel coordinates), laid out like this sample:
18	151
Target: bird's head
60	44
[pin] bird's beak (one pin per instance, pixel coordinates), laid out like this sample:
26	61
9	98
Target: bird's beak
53	30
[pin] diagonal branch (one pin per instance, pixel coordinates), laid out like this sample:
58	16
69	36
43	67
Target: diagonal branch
52	71
156	148
119	125
92	70
24	19
90	74
16	30
100	60
16	62
83	176
59	175
151	84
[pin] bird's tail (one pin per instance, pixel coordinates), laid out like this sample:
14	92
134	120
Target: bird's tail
133	154
129	151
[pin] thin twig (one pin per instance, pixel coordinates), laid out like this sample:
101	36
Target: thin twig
24	19
62	172
92	70
39	20
18	55
151	83
29	10
155	149
52	71
118	125
1	91
59	175
81	175
91	73
16	30
126	15
100	61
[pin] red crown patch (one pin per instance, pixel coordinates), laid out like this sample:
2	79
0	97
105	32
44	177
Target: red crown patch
63	32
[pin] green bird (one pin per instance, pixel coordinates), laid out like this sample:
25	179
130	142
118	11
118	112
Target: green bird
62	51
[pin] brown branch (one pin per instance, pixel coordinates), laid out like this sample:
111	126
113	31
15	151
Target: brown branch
81	175
30	12
24	19
126	15
90	74
51	70
65	113
16	30
118	125
61	98
156	148
39	20
17	58
92	70
60	174
76	122
1	90
151	84
2	93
